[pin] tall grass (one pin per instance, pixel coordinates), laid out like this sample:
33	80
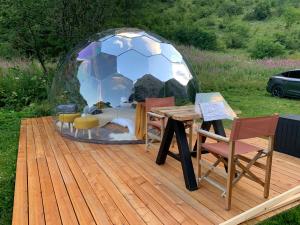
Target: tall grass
242	81
220	71
9	136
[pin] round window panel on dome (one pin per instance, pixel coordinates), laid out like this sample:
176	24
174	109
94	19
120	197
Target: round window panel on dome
98	86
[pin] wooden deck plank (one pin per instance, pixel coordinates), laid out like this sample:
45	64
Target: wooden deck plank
81	208
149	188
91	199
112	191
115	216
35	201
52	215
116	175
165	196
20	215
91	170
64	203
59	181
168	185
131	177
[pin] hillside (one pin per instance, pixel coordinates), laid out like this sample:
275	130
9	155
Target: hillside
257	28
235	25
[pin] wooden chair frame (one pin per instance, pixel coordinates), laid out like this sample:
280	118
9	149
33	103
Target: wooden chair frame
236	170
156	102
161	102
151	137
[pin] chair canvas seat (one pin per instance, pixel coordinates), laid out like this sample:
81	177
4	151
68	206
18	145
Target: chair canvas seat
222	148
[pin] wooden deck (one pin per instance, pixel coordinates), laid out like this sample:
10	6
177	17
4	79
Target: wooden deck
59	181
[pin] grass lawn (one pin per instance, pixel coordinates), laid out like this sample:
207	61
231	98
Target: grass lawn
9	137
258	103
290	217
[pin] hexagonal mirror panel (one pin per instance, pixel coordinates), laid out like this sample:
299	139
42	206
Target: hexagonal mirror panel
99	90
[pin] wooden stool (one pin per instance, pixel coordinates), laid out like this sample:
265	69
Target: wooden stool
87	122
67	118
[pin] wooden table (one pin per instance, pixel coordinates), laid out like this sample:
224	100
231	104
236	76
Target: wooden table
177	117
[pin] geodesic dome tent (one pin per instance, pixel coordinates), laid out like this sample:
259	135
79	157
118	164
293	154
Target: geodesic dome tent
107	75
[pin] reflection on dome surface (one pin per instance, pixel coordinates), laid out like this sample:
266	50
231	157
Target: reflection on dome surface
100	83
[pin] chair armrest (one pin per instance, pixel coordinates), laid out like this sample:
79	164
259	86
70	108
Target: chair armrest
213	136
155	115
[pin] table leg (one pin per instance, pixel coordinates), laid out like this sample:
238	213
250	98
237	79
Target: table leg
219	128
177	127
185	156
165	143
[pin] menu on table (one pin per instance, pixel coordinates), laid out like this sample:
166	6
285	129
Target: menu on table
213	106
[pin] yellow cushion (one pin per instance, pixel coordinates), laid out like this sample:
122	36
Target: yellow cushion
68	117
86	122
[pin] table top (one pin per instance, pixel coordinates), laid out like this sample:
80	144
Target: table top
181	113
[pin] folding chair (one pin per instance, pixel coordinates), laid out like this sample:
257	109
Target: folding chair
155	123
230	151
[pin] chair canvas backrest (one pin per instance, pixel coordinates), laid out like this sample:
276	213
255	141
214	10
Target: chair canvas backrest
159	102
245	128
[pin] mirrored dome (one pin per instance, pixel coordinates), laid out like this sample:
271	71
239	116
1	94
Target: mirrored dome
99	85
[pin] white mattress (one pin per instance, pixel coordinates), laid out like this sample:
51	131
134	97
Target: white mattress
122	116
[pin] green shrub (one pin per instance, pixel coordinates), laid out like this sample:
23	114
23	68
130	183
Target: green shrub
39	109
266	48
197	37
209	21
234	40
291	41
291	16
230	8
236	35
261	11
19	88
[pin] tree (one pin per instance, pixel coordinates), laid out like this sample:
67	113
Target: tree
28	22
262	10
47	28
